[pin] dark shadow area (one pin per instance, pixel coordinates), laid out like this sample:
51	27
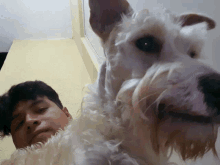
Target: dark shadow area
3	56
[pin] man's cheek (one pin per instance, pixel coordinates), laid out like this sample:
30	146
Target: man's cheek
19	140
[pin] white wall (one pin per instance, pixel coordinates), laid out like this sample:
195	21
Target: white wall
208	7
33	19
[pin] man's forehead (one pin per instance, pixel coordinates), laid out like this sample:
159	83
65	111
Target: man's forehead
24	104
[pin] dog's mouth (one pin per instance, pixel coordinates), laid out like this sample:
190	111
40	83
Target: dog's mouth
184	117
193	135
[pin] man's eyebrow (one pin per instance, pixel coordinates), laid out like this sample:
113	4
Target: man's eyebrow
32	104
36	102
15	116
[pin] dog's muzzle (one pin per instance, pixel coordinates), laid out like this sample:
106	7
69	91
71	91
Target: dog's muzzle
177	92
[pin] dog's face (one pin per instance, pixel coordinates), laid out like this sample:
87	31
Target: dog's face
151	67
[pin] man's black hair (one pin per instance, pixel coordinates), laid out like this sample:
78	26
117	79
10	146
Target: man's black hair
25	91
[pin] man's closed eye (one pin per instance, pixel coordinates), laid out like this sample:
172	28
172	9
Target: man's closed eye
42	110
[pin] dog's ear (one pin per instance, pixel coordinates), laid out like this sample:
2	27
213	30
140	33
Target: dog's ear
192	18
105	14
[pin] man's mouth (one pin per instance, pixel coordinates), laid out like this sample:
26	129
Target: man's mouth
36	134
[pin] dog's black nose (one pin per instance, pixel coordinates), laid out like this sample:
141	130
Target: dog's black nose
210	86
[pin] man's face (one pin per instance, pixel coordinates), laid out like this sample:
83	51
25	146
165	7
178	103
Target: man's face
36	121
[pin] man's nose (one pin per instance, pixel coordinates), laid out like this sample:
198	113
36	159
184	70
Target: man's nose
31	121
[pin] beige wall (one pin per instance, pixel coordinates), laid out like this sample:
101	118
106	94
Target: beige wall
85	48
56	62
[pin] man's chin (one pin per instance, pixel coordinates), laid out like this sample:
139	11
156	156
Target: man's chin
42	137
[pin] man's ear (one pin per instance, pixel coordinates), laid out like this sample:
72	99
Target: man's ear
65	110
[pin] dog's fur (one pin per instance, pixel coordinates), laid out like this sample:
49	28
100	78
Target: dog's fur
148	98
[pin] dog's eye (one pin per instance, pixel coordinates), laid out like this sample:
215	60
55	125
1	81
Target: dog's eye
148	44
192	54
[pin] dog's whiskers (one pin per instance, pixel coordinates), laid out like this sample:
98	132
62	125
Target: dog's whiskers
144	99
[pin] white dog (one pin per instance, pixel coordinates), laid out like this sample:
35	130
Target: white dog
151	94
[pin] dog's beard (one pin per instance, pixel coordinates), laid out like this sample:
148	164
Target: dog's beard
191	136
191	140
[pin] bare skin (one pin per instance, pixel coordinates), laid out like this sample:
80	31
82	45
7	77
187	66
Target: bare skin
36	121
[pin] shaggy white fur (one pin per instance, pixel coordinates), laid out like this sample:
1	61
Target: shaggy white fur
151	94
